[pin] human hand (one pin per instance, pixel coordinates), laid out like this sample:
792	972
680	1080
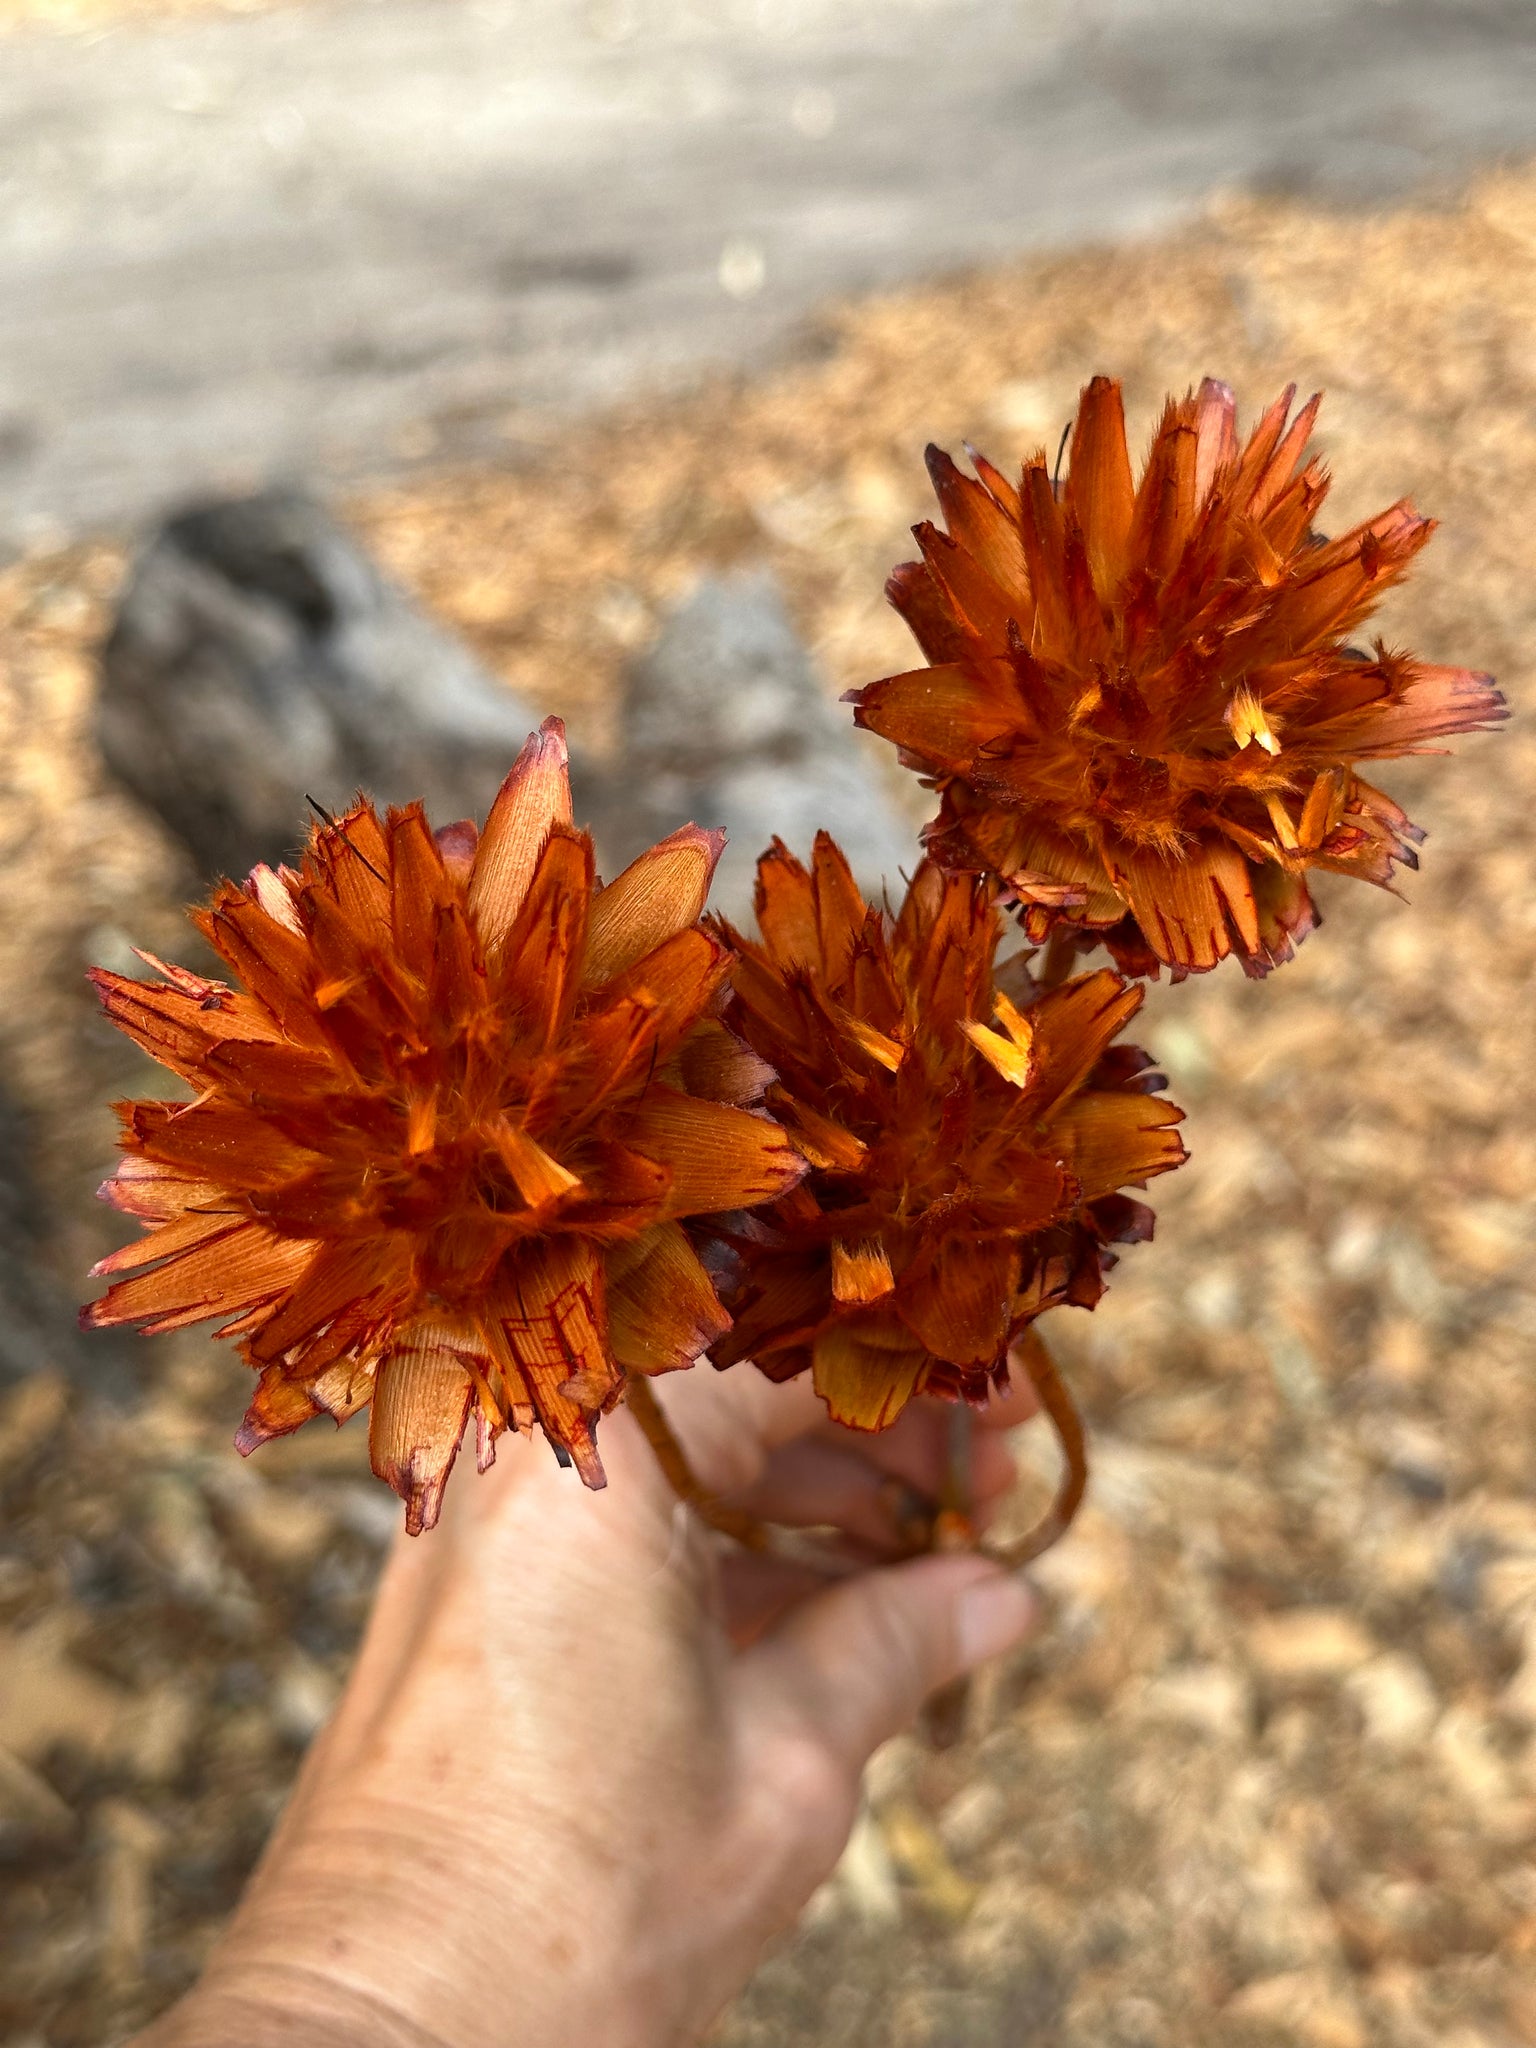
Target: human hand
586	1765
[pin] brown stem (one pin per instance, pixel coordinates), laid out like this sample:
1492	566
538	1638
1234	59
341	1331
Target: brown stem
1051	1391
1060	956
682	1478
953	1524
952	1527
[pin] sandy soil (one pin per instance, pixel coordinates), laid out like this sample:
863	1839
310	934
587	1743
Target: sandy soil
1270	1775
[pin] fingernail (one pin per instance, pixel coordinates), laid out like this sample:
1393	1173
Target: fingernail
991	1617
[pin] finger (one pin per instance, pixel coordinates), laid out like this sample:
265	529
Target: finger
728	1422
915	1449
1015	1404
755	1591
837	1483
850	1668
814	1484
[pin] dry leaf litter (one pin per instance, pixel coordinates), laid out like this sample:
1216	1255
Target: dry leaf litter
1269	1775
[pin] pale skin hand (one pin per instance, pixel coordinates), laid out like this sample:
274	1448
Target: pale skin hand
583	1772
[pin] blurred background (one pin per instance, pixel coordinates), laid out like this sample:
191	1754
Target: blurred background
379	375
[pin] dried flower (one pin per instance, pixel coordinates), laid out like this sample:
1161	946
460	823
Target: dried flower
441	1142
966	1153
1142	712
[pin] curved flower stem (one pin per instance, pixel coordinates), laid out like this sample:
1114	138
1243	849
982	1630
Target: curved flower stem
1060	956
682	1478
1051	1390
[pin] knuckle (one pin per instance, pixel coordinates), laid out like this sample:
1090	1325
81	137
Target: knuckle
805	1786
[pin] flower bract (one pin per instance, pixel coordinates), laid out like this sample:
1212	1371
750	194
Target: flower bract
444	1135
968	1147
1144	710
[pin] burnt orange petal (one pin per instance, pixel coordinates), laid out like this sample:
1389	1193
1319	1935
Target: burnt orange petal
840	907
663	1310
977	521
785	904
679	979
866	1374
960	1305
1286	915
1110	1141
222	1274
421	1401
1100	490
280	1406
535	797
1193	908
719	1157
148	1188
552	1315
931	618
539	971
714	1063
1072	1027
946	715
657	896
861	1270
176	1028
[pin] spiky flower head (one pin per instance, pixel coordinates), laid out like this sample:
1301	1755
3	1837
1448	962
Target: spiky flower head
442	1141
967	1147
1143	711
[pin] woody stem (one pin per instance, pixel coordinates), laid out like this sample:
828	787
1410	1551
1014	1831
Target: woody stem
1051	1392
680	1475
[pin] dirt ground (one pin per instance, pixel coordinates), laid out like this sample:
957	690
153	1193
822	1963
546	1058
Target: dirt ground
1269	1776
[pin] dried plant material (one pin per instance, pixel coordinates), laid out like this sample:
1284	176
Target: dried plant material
1143	710
443	1138
967	1157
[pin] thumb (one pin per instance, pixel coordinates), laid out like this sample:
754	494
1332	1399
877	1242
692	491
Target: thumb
853	1666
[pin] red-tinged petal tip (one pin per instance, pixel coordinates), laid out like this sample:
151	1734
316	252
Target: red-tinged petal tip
534	798
421	1404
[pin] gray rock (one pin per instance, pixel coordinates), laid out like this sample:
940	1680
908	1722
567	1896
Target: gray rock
38	1327
726	722
260	658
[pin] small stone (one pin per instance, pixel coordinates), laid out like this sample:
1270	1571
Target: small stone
131	1842
1309	1643
921	1857
30	1809
973	1819
1519	1696
1209	1697
157	1730
46	1697
893	1770
302	1697
1466	1753
1396	1700
29	1414
1303	2002
866	1876
280	1524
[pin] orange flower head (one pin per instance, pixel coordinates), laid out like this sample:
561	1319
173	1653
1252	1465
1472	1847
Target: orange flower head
1142	712
967	1155
442	1139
